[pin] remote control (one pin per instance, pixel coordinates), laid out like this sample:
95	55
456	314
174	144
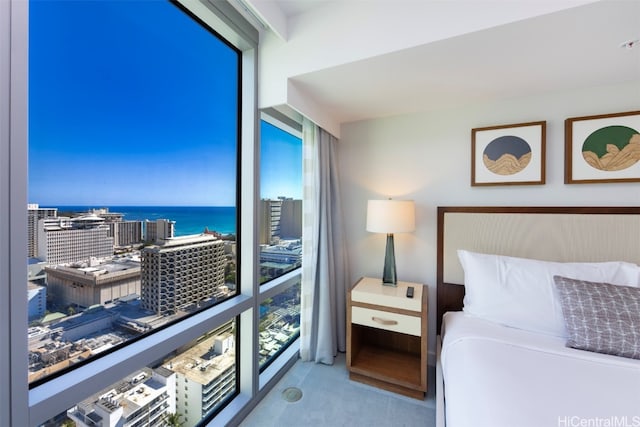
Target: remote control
410	292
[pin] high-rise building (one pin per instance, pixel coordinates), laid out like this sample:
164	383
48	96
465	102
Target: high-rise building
281	219
291	219
159	229
270	220
34	214
182	271
205	375
145	398
62	240
125	233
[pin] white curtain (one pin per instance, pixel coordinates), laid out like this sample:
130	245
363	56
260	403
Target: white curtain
324	271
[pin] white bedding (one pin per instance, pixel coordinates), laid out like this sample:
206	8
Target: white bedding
498	376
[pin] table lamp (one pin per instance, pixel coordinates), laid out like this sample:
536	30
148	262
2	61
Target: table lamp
390	216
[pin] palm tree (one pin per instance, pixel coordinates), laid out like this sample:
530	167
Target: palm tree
173	420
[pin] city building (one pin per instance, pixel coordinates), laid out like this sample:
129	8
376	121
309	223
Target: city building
145	398
60	340
289	253
159	229
291	219
279	323
37	297
276	260
182	271
108	216
100	282
280	219
205	375
126	233
34	214
62	240
35	271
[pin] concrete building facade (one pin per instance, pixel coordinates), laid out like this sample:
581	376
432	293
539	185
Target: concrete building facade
291	219
280	219
101	283
158	230
34	214
64	240
126	233
205	375
181	271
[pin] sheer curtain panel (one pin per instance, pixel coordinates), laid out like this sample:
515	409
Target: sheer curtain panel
324	266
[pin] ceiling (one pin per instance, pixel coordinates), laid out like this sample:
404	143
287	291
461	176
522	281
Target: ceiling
570	49
292	8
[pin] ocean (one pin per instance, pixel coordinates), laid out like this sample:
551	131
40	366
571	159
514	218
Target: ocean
189	219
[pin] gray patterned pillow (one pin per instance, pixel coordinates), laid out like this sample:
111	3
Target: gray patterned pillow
601	317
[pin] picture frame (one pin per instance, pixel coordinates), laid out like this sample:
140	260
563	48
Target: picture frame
602	148
509	154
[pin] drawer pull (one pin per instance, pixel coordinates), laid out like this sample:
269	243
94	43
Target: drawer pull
384	321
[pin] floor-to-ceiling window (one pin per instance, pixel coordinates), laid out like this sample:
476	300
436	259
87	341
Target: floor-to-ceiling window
280	235
133	174
137	215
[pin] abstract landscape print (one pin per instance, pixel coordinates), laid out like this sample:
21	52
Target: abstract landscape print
603	148
508	154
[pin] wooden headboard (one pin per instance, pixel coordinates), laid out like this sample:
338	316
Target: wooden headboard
565	234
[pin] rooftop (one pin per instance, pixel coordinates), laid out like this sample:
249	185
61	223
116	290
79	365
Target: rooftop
136	391
185	240
200	363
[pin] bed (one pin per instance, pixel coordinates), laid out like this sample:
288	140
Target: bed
504	359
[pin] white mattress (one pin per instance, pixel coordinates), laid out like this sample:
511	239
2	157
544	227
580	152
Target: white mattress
498	376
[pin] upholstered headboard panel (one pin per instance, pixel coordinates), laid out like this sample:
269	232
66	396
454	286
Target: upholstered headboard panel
547	233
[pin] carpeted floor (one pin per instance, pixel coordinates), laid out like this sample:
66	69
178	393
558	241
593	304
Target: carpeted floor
329	398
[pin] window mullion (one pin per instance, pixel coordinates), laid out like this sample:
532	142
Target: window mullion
279	284
13	199
5	119
249	177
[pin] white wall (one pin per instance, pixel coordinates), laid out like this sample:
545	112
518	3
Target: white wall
426	157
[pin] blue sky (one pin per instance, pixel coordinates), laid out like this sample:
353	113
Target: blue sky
279	152
132	103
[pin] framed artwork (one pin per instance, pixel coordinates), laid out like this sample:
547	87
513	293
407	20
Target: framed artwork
604	148
509	154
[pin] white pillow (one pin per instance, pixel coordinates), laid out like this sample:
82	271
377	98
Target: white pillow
520	292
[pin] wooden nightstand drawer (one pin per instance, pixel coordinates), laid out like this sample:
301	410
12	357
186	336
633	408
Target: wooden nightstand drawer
395	322
387	336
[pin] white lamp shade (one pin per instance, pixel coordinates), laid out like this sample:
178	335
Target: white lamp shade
391	216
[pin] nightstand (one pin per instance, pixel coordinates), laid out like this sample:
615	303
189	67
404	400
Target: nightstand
387	336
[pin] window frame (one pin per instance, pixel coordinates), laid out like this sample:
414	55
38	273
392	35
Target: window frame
13	226
29	407
277	285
